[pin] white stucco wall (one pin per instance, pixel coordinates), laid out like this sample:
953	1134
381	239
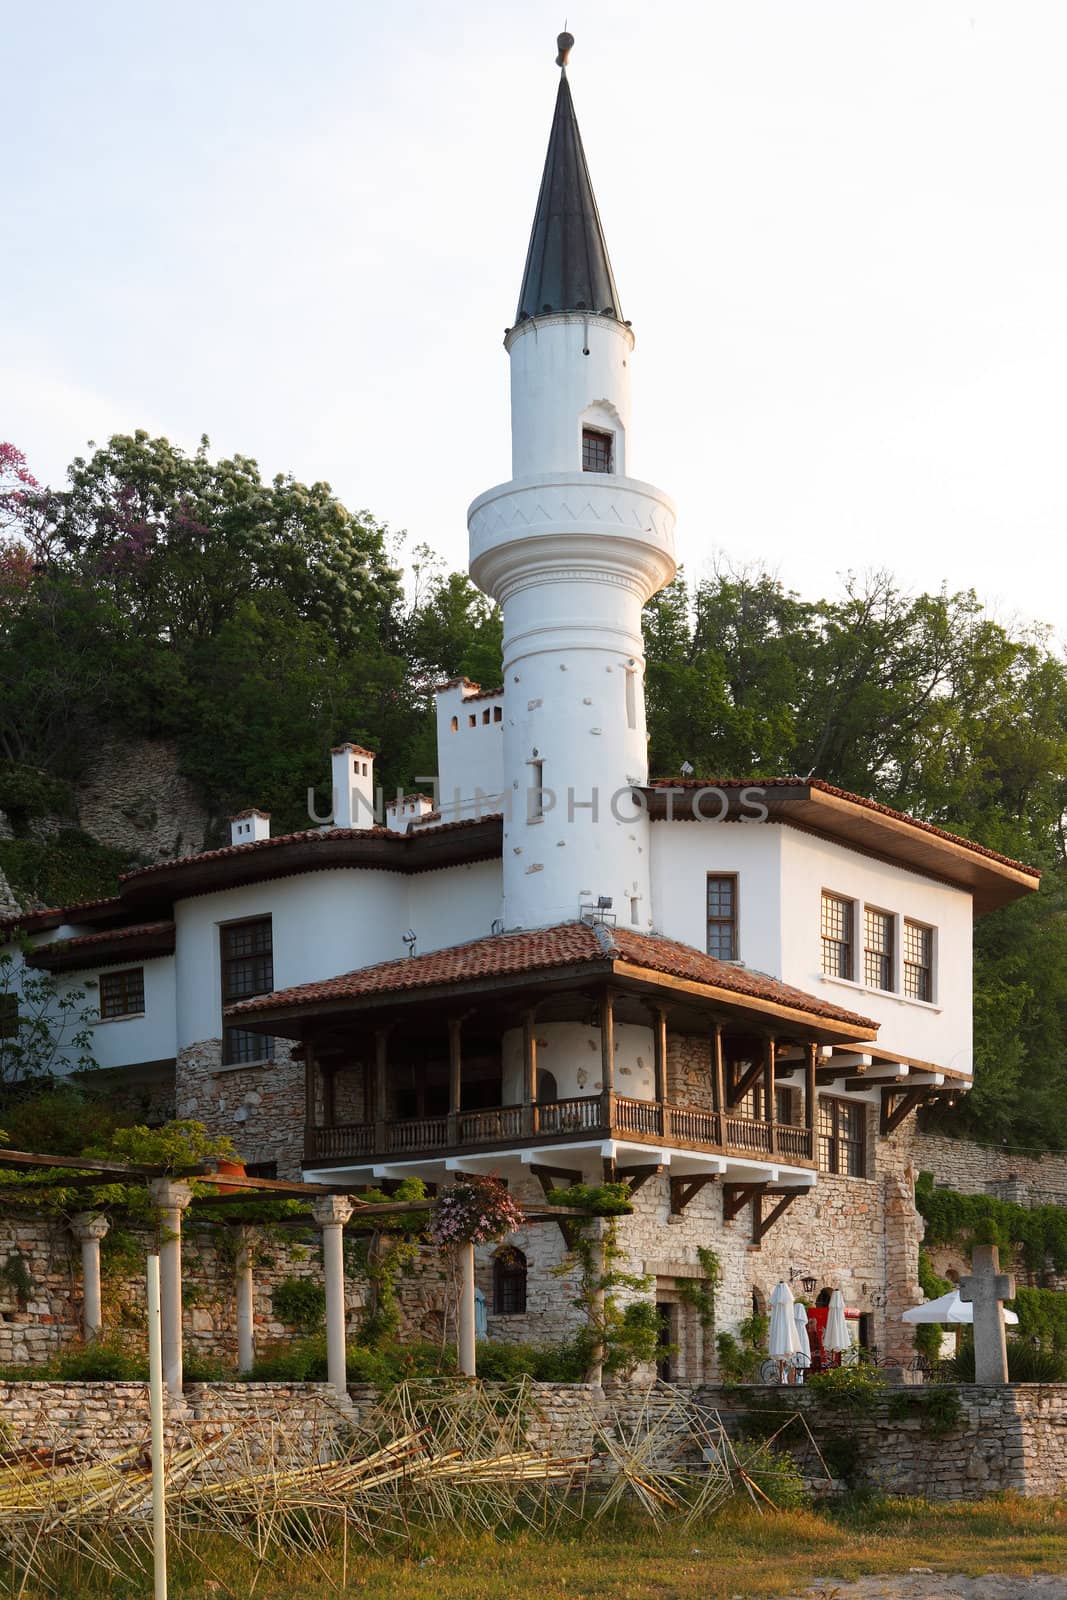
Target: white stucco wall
781	876
125	1041
940	1032
571	1052
470	760
683	853
566	370
326	923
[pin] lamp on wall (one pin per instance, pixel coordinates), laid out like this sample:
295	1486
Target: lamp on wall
808	1281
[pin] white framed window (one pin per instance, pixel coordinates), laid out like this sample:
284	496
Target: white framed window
838	924
879	948
918	965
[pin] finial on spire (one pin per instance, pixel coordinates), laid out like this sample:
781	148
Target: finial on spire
565	44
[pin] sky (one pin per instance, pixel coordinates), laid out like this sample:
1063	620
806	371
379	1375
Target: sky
839	231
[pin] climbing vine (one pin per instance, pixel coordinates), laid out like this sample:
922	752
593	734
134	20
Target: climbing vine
700	1292
1037	1233
617	1339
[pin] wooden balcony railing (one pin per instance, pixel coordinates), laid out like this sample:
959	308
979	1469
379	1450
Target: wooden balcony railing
689	1127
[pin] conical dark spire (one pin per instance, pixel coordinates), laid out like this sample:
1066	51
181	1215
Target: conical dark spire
567	265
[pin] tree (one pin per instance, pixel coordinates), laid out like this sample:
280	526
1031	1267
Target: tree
45	1030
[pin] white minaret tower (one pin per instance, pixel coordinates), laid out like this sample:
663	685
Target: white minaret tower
571	549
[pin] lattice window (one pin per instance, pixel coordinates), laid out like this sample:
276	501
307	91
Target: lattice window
918	961
122	993
837	920
509	1283
877	948
596	450
722	916
247	970
842	1130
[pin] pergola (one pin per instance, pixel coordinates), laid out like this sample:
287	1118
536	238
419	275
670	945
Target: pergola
331	1209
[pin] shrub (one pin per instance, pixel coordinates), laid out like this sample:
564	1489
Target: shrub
1026	1363
503	1363
99	1362
938	1408
854	1391
299	1303
773	1471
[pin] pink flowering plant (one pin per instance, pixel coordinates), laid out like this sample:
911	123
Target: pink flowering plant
476	1210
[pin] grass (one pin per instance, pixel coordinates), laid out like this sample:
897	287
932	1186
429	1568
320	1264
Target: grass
739	1553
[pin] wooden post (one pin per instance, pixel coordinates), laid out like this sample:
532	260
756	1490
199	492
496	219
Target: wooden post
770	1110
381	1098
659	1056
529	1072
607	1057
455	1077
718	1080
329	1111
310	1100
810	1096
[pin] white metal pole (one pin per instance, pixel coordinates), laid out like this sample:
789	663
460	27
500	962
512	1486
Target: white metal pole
246	1353
155	1395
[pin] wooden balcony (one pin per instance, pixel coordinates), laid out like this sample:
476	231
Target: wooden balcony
562	1121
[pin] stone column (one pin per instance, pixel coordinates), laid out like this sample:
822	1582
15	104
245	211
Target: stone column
171	1197
465	1319
246	1348
89	1227
331	1213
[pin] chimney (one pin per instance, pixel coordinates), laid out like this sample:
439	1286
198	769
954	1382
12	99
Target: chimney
405	810
248	826
353	786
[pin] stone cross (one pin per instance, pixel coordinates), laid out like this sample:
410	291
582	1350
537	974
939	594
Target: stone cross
986	1289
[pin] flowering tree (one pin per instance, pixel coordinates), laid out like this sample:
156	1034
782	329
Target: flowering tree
476	1210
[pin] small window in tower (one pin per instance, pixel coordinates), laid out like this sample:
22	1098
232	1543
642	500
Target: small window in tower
472	720
535	796
485	714
455	724
498	713
631	698
596	450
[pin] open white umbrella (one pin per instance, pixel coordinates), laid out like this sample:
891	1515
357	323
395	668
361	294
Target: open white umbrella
803	1355
783	1340
949	1308
837	1335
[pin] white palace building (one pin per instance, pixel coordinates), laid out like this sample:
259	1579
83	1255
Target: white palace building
733	994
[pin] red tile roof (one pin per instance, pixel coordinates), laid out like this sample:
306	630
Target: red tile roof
568	944
54	916
356	749
144	938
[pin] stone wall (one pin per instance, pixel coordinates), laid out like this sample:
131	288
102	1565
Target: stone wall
134	798
260	1107
1011	1439
1030	1180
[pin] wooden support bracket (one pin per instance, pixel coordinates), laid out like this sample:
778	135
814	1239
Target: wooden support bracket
735	1196
545	1177
907	1100
684	1189
744	1083
636	1176
762	1225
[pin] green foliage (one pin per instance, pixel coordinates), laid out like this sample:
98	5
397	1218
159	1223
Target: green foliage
63	1119
102	1361
50	1031
304	1361
1038	1232
61	869
596	1199
740	1358
700	1292
16	1274
847	1391
931	1285
504	1363
1026	1363
618	1340
383	1257
773	1470
937	1406
176	1146
299	1303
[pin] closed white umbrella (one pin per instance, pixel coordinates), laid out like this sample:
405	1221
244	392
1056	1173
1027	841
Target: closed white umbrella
800	1317
949	1308
836	1336
783	1340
